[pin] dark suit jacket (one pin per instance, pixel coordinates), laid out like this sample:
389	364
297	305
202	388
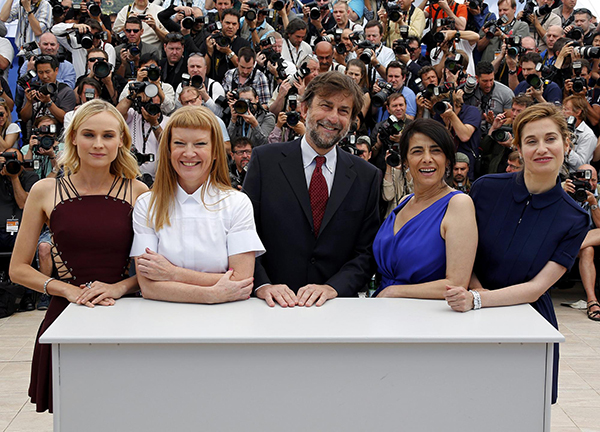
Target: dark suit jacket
341	256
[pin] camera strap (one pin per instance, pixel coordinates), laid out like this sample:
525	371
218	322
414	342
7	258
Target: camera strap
295	61
145	135
411	11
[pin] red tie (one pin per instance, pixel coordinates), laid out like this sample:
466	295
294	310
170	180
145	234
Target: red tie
318	194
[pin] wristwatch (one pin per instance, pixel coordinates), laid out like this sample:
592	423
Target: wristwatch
230	55
155	127
512	72
593	206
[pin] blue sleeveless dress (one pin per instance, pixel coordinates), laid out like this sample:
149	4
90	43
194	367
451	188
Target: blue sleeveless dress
417	253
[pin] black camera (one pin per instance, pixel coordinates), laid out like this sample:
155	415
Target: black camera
47	139
588	52
369	49
442	106
142	158
453	64
279	4
242	106
48	89
58	10
214	26
221	39
86	40
94	9
394	12
439	37
490	28
293	118
194	81
502	134
25	79
544	10
153	72
315	10
581	182
13	165
268	41
535	81
400	47
381	96
443	22
576	33
251	13
133	49
303	71
101	69
152	108
188	22
348	144
392	126
357	37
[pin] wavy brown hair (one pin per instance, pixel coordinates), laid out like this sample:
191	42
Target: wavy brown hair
165	185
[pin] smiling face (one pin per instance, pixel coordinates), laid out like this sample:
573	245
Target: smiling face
191	157
3	116
327	120
542	147
98	140
426	161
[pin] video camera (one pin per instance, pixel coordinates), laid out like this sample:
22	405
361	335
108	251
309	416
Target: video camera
581	182
13	165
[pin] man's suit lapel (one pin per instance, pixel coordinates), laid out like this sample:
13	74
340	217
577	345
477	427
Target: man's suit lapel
342	182
293	170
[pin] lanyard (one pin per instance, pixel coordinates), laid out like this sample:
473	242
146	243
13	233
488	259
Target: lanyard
292	53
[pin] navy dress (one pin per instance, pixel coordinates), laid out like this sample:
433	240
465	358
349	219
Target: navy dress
417	252
519	233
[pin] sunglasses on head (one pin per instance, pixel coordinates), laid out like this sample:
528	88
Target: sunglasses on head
174	37
132	30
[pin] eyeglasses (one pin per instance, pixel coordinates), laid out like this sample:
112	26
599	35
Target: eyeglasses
189	102
132	30
44	57
95	59
1	115
242	152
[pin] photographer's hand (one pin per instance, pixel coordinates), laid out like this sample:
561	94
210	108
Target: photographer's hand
152	119
44	98
82	28
261	59
568	186
497	123
395	138
141	74
250	119
281	119
299	129
210	46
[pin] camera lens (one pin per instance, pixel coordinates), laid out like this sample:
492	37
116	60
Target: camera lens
188	22
101	69
241	106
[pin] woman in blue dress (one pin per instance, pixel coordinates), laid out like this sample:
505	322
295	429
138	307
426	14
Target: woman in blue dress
429	240
530	230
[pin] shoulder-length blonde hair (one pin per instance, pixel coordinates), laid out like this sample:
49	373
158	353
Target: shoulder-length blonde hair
165	185
125	164
7	116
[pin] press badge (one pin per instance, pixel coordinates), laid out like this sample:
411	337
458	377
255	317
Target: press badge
12	225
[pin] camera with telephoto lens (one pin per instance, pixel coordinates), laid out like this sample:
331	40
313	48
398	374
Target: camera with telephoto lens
58	10
194	81
86	40
302	72
514	46
251	13
13	165
535	81
45	136
581	183
394	12
430	91
275	59
468	86
101	69
210	28
490	28
142	158
25	79
47	89
588	52
189	22
133	49
28	49
400	47
381	96
221	40
93	9
242	106
369	49
502	134
292	118
392	126
442	106
279	4
357	37
576	33
315	10
453	64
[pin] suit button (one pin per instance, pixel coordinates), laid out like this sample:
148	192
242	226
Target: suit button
312	260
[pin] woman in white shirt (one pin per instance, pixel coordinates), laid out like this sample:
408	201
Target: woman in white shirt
9	131
195	240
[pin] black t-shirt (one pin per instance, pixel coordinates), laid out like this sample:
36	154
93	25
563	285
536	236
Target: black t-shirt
8	205
6	88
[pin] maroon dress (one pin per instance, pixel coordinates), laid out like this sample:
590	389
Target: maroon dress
92	238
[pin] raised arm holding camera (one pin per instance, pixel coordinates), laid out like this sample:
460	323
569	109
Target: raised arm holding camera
147	12
49	45
43	145
33	19
249	118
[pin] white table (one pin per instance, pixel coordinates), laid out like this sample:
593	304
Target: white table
351	365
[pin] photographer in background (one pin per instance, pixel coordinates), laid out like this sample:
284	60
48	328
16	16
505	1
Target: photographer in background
534	85
15	184
290	123
341	15
44	145
222	47
9	131
209	89
241	151
294	47
324	53
87	90
553	34
396	75
540	18
100	70
479	14
586	180
254	30
580	85
584	141
248	118
460	181
316	27
382	56
408	15
154	32
49	45
51	98
497	145
386	133
443	9
189	21
78	39
494	32
33	19
174	65
128	53
246	74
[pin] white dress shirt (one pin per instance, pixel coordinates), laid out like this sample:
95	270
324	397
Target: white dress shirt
294	55
583	150
309	163
204	231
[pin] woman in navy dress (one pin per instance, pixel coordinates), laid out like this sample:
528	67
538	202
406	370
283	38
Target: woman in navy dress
530	230
430	239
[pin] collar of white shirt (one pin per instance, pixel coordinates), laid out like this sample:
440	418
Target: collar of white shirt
309	154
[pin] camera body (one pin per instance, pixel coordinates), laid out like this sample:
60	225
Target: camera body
400	47
13	165
576	33
86	40
394	12
94	9
142	158
46	137
221	40
381	96
581	182
194	81
150	90
293	118
315	10
25	80
502	134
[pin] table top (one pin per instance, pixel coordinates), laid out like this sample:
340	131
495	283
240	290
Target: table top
343	320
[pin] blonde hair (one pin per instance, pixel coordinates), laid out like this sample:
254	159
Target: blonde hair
7	117
165	185
124	165
539	112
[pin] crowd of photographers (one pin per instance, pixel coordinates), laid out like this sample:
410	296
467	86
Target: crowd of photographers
249	62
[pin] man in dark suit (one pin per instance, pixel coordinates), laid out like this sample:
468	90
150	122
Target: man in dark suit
315	206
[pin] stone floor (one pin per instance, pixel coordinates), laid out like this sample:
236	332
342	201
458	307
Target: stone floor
578	407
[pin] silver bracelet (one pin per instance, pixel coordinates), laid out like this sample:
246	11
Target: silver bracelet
46	285
476	299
